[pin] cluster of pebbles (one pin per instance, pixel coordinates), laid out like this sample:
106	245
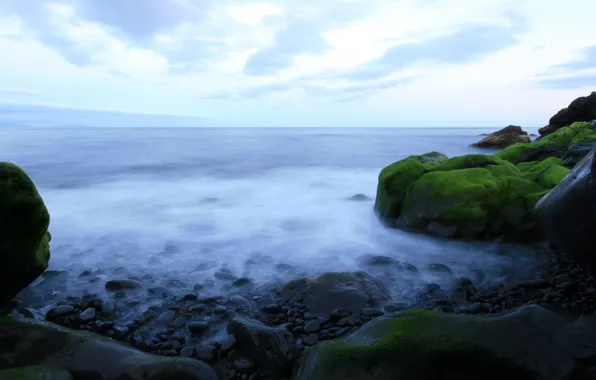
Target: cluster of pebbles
192	325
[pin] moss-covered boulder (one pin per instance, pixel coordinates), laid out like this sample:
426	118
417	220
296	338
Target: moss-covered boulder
24	237
529	343
87	356
34	373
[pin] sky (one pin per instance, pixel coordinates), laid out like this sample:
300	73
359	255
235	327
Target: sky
409	63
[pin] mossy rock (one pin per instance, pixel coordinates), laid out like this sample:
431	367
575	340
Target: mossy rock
394	181
469	161
34	373
24	237
430	157
529	343
547	173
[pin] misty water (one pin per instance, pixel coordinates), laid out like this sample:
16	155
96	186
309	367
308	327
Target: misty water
171	207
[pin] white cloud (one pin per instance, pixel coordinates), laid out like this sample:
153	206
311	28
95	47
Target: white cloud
304	59
19	91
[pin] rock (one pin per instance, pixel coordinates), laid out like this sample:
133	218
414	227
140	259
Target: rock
568	214
88	356
272	348
167	316
581	109
198	328
124	284
311	339
60	310
206	352
108	307
420	344
351	291
505	137
24	236
240	302
312	325
87	315
359	198
34	373
439	268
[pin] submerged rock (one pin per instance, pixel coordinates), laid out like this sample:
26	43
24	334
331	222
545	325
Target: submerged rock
505	137
528	343
86	355
350	291
24	236
359	198
568	214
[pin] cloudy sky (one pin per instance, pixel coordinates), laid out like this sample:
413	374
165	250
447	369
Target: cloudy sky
482	63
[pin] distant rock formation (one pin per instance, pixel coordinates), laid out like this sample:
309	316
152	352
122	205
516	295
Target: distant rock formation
503	138
581	109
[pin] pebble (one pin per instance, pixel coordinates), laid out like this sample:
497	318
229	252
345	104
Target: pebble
87	315
123	284
272	308
187	352
240	302
61	310
312	326
311	339
244	365
166	316
197	328
371	312
205	352
220	309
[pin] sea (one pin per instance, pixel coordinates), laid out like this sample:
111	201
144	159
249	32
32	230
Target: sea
174	205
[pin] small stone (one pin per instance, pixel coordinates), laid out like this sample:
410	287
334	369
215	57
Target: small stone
197	328
298	330
191	296
187	352
244	365
242	281
272	308
342	331
350	320
179	322
87	315
311	339
371	312
240	302
312	326
228	344
206	352
166	316
61	310
220	309
114	285
439	268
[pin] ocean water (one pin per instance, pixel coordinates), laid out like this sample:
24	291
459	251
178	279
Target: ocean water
173	206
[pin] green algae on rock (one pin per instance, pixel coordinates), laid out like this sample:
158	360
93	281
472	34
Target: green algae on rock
528	343
87	356
24	237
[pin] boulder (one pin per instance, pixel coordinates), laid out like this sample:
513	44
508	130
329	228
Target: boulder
509	135
24	236
87	356
349	291
273	348
567	214
581	109
528	343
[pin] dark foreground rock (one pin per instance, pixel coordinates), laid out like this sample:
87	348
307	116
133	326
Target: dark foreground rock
24	236
527	343
568	214
87	356
509	135
581	109
34	373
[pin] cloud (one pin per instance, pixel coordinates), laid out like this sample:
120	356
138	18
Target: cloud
587	61
465	45
572	82
19	91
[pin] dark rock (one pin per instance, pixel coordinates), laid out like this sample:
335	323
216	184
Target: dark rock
87	315
312	326
359	198
244	365
272	308
187	352
60	310
581	109
567	214
311	339
167	316
439	268
206	352
272	348
242	281
240	302
352	291
510	135
197	328
371	312
115	285
88	356
575	153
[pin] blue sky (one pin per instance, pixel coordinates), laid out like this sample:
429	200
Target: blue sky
303	63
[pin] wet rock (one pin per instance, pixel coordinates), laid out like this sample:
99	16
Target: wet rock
115	285
197	328
509	135
187	352
242	281
311	339
463	290
87	315
271	347
359	198
439	268
60	310
240	302
272	308
206	352
166	316
371	312
312	326
225	274
244	365
352	291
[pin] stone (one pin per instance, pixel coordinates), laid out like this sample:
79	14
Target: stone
88	356
124	284
240	302
166	316
312	326
87	315
311	339
527	343
206	352
272	348
580	109
24	220
561	210
35	373
350	291
197	328
60	310
359	198
505	137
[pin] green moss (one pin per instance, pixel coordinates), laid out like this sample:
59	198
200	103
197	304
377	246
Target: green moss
394	181
431	157
467	161
24	220
586	136
547	173
525	166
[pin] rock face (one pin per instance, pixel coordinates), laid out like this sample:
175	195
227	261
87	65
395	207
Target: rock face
24	236
273	348
528	343
568	213
476	195
349	291
581	109
509	135
87	356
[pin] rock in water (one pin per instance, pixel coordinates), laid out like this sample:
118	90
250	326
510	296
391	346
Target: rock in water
568	213
528	343
25	342
510	135
581	109
351	291
273	348
24	236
